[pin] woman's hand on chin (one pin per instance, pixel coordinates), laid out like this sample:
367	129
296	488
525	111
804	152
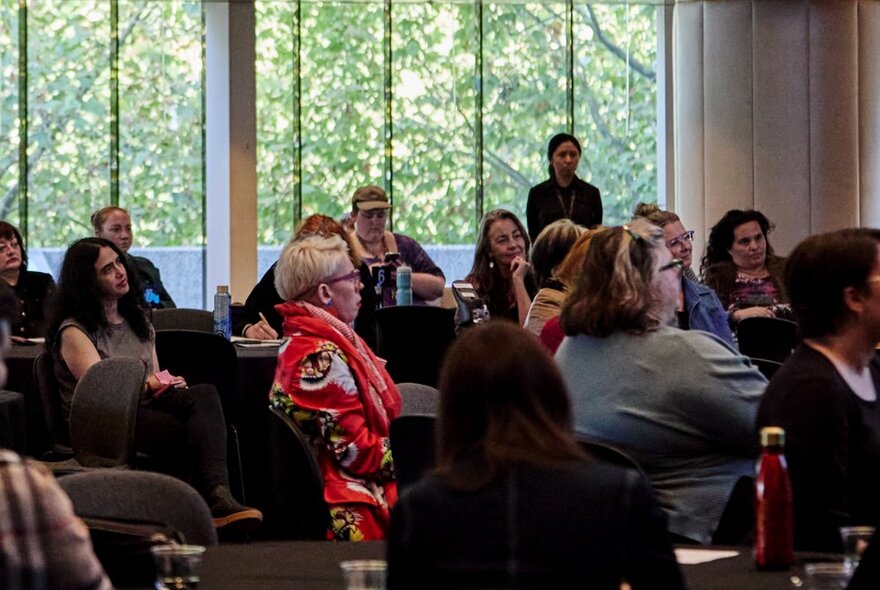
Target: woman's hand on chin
518	268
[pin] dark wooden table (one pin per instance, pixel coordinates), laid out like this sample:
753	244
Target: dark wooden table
314	565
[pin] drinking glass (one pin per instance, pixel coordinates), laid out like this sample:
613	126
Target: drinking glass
177	566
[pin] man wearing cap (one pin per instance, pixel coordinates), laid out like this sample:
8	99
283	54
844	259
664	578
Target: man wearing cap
369	208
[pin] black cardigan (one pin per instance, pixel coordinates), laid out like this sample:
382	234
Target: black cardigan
543	207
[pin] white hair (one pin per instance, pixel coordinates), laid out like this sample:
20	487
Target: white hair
305	262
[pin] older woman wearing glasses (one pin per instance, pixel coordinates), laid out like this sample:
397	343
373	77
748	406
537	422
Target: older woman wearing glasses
330	382
698	305
681	402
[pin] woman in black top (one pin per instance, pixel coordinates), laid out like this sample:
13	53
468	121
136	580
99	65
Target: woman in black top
564	195
32	289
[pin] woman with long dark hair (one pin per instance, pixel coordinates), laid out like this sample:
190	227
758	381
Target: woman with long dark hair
99	315
563	195
501	274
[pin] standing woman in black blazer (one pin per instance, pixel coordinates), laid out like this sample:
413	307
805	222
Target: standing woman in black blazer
564	195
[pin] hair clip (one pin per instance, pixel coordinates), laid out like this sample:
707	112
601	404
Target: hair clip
633	234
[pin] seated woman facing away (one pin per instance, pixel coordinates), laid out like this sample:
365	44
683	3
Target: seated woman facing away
33	290
515	502
550	249
740	265
681	402
332	384
825	394
501	274
100	315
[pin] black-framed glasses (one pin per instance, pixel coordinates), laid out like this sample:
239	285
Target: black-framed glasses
685	238
675	263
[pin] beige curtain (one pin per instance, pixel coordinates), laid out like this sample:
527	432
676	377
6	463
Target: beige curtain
777	108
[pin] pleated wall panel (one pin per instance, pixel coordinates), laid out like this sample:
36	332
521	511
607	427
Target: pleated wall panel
869	102
778	110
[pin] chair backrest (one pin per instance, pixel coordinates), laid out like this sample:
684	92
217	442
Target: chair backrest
767	367
298	509
414	339
103	412
419	399
773	339
141	496
604	451
53	414
201	357
412	446
183	318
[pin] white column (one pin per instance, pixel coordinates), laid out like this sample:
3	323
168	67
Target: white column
230	104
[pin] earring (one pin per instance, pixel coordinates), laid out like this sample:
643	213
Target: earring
329	303
491	263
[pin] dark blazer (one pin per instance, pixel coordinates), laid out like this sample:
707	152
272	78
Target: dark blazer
533	527
148	277
543	206
34	291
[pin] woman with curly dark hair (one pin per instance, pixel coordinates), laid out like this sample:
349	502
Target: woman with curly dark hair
33	290
740	265
501	274
99	315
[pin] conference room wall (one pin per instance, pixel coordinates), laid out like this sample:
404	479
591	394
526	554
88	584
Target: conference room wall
776	109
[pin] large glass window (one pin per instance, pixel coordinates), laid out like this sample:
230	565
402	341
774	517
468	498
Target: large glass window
9	97
453	113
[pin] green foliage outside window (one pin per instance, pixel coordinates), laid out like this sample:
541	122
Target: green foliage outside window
436	108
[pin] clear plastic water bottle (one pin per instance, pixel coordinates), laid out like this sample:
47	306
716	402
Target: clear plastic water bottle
222	320
404	285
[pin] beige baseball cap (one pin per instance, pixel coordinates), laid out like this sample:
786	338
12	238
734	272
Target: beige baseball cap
368	198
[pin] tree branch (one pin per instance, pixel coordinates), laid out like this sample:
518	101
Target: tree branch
615	50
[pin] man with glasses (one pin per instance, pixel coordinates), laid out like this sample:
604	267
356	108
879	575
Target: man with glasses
699	307
376	246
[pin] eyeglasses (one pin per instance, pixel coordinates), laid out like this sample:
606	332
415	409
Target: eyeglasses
355	274
685	238
675	263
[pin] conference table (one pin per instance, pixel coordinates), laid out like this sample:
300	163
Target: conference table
314	565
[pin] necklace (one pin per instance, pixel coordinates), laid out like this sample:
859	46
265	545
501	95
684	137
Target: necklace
566	213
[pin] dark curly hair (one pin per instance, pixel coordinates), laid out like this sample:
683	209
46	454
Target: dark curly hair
488	281
721	236
10	232
79	297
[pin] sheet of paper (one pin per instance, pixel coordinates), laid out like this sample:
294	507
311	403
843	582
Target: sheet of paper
686	556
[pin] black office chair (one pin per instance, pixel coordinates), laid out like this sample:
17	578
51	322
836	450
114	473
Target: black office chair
773	339
183	318
206	358
296	508
767	367
413	339
603	451
412	446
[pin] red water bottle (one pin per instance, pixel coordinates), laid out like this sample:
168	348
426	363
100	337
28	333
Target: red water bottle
773	512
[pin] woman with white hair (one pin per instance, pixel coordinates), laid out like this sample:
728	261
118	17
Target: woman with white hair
330	382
